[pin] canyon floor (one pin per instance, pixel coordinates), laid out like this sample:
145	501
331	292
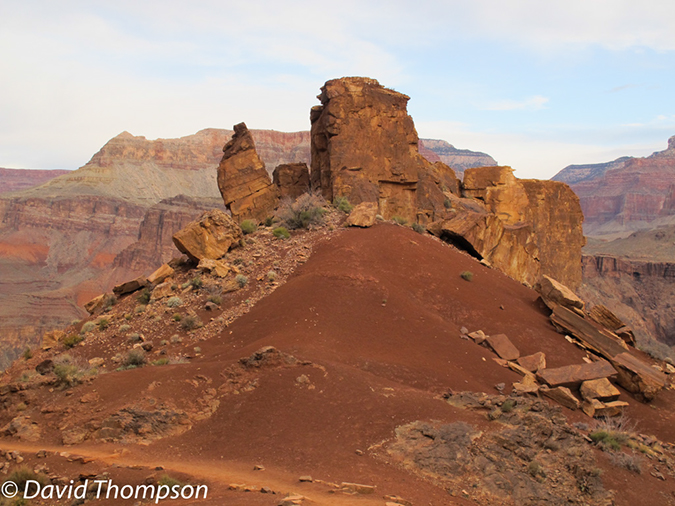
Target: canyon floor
346	365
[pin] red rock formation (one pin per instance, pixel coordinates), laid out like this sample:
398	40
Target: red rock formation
292	179
12	180
243	182
627	194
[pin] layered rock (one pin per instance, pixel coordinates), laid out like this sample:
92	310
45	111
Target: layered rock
12	180
627	194
243	181
365	148
436	150
209	237
292	179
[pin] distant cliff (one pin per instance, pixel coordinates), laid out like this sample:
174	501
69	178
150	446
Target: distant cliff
12	180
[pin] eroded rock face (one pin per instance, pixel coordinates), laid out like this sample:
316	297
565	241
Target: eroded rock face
365	148
292	179
243	181
209	237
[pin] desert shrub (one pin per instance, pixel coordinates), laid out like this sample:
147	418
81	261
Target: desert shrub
535	469
163	342
308	209
109	300
144	296
69	371
420	229
241	280
216	299
630	461
139	309
177	317
196	283
160	362
271	276
174	302
168	481
608	439
342	204
124	328
134	358
176	339
281	233
248	226
88	327
134	338
447	203
28	354
191	322
508	405
103	323
72	340
75	322
400	220
467	275
22	475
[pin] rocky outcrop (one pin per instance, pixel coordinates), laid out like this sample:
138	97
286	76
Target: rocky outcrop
243	181
291	179
210	237
365	148
12	180
626	194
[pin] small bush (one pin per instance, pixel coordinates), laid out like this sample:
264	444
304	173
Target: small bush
134	358
196	283
281	233
630	461
177	317
308	209
103	323
607	439
88	327
508	405
400	220
342	204
139	309
447	203
68	371
420	229
191	322
134	338
124	328
467	275
271	276
174	302
22	475
28	354
168	481
216	299
241	280
75	322
72	340
160	362
144	296
248	226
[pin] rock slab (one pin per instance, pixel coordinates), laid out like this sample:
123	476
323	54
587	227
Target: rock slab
211	236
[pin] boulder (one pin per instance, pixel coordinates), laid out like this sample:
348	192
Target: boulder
597	409
363	215
95	304
130	286
291	179
45	367
561	395
215	267
161	274
52	338
637	377
161	291
601	389
533	363
503	347
211	236
556	294
478	336
243	181
602	315
574	375
528	385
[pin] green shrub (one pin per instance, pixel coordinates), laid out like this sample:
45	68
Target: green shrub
168	481
22	475
144	296
124	328
103	323
134	338
72	340
68	371
447	203
420	229
109	300
342	204
281	233
196	283
608	439
28	354
508	405
139	309
308	209
241	280
174	302
400	220
467	275
177	317
160	362
134	358
191	322
271	276
88	327
248	226
216	299
630	461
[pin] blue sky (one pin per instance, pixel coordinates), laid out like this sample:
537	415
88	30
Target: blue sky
538	85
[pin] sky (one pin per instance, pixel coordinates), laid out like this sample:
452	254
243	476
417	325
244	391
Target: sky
536	84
